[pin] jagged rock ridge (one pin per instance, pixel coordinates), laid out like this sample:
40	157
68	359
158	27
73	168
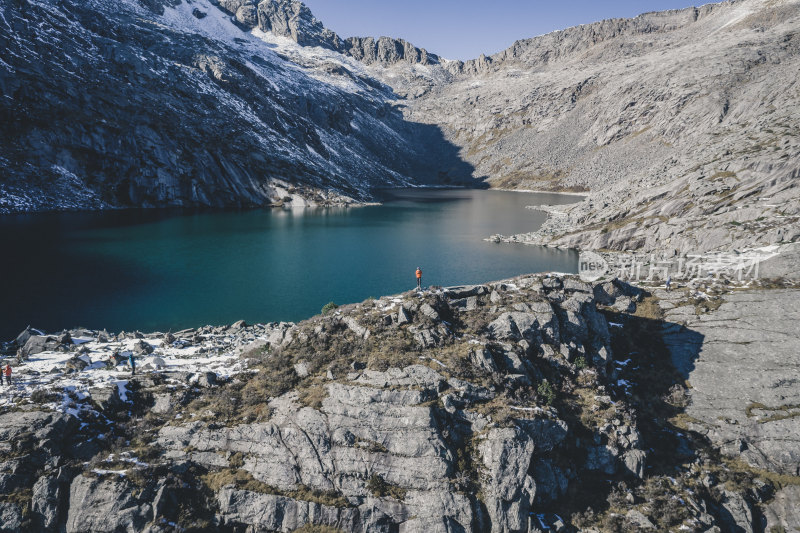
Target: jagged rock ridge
292	19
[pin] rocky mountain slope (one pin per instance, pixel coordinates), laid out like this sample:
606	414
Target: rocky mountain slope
682	124
121	104
521	405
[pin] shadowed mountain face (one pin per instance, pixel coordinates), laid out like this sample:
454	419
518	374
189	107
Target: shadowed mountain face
118	104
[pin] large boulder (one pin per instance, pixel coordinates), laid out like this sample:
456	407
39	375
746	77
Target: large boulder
48	429
735	513
552	283
142	348
10	516
108	506
353	325
241	324
163	403
482	359
467	291
106	398
403	316
427	310
78	363
635	462
607	293
532	321
639	521
23	337
48	493
783	512
169	338
429	337
207	379
38	344
509	491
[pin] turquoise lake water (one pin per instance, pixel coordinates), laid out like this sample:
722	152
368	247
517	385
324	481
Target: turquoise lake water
158	270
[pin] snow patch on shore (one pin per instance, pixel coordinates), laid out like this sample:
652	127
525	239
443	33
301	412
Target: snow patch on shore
189	355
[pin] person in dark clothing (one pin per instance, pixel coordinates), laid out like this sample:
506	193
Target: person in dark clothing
133	364
419	278
1	374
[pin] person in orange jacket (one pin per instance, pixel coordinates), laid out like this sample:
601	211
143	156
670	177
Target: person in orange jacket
8	374
419	278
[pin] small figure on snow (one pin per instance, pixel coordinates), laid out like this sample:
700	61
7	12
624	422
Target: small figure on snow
133	364
669	283
8	374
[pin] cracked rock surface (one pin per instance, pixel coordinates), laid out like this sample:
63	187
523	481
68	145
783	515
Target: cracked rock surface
744	383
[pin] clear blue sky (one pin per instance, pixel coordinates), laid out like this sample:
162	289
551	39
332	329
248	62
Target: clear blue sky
464	29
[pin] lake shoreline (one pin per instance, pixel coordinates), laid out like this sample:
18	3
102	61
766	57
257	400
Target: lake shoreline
537	191
155	270
5	211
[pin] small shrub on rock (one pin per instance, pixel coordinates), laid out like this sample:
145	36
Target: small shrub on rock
41	396
546	393
381	489
317	528
313	396
328	307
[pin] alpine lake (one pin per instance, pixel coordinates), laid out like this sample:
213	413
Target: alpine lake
161	270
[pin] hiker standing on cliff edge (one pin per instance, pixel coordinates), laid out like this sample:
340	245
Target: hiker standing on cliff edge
419	278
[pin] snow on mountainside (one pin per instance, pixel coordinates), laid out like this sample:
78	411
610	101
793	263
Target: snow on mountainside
179	105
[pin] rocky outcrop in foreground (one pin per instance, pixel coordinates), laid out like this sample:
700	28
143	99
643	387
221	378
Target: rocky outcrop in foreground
532	403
